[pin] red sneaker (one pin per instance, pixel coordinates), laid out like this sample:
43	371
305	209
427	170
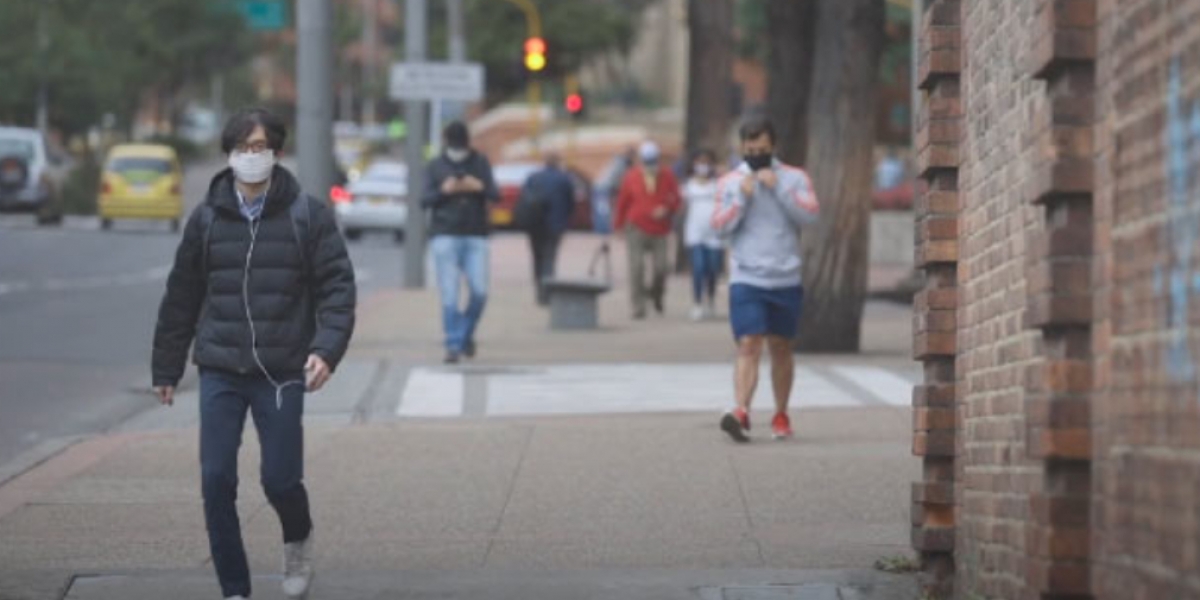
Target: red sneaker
736	423
781	426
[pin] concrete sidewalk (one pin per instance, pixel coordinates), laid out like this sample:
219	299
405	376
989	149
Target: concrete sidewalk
617	505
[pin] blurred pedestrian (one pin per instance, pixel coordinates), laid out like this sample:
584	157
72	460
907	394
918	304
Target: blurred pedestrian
459	187
646	206
263	284
544	212
703	242
762	206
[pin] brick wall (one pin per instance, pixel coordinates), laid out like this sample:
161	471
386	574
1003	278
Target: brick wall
1147	417
1059	222
997	351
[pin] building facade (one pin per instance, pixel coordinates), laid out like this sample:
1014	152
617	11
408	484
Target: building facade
1058	144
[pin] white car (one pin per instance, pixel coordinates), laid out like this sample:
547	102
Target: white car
376	201
30	176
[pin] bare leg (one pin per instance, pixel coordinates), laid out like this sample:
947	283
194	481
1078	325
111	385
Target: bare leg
746	374
783	370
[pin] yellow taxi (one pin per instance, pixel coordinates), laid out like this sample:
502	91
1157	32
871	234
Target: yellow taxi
141	181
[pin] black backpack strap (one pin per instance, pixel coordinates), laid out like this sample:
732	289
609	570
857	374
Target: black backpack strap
207	216
301	213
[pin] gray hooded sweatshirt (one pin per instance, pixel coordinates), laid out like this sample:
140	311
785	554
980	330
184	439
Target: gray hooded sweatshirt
764	227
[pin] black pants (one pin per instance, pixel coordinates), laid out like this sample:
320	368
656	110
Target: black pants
225	399
543	245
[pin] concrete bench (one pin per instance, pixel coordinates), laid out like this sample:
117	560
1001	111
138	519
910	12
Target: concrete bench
573	302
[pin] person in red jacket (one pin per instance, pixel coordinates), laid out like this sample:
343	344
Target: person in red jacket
646	206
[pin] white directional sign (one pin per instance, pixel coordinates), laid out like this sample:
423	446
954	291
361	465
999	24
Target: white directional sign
461	82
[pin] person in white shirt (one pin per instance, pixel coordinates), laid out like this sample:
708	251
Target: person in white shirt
703	242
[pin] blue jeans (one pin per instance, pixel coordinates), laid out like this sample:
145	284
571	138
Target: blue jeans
706	267
224	400
456	257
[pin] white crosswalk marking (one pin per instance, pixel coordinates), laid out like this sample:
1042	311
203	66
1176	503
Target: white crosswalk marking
640	388
888	387
432	393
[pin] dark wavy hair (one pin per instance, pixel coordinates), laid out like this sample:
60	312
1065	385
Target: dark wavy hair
239	127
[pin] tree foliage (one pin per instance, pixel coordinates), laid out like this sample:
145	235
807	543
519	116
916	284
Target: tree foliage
101	57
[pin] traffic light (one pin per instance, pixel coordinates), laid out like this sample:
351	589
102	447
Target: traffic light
575	105
535	54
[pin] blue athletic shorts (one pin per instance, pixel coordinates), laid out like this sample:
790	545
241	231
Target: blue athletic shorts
764	311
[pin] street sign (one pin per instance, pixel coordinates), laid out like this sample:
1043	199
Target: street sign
431	81
264	15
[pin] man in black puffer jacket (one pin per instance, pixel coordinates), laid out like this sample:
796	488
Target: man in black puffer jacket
264	286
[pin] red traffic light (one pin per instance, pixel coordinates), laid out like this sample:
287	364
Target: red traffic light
535	45
574	103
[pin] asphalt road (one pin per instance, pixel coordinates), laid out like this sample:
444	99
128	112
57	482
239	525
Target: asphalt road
77	312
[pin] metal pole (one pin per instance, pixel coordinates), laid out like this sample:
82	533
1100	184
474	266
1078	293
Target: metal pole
314	104
456	47
218	97
369	36
43	48
535	115
415	22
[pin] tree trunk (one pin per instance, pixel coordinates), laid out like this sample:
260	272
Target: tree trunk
841	129
791	32
710	77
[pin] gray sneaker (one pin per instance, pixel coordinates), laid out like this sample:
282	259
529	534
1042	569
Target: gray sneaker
297	568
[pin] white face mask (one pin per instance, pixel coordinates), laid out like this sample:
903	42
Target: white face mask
251	167
702	170
457	154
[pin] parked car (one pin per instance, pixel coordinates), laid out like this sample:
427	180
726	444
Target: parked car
510	178
375	201
141	181
28	177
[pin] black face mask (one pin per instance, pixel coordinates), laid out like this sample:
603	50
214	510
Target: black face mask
757	162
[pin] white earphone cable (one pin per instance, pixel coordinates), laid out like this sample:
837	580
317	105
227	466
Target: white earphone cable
279	387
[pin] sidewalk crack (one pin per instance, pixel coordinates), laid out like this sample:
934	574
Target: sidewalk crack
512	488
746	511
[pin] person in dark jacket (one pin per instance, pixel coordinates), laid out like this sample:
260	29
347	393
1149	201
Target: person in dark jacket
263	285
459	187
556	198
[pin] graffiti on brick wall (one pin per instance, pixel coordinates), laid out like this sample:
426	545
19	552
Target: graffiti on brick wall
1181	282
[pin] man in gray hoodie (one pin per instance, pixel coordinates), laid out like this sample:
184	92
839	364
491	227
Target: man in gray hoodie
761	206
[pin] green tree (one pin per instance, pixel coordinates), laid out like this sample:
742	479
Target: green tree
103	56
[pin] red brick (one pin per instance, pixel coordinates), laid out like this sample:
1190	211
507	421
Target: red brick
933	493
1066	444
1049	310
937	251
1065	176
934	395
933	443
928	345
926	539
931	419
937	202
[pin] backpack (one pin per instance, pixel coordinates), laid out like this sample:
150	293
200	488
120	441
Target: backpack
300	212
530	213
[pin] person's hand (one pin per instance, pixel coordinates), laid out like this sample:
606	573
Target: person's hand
316	372
659	213
767	177
450	185
166	394
472	184
748	185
